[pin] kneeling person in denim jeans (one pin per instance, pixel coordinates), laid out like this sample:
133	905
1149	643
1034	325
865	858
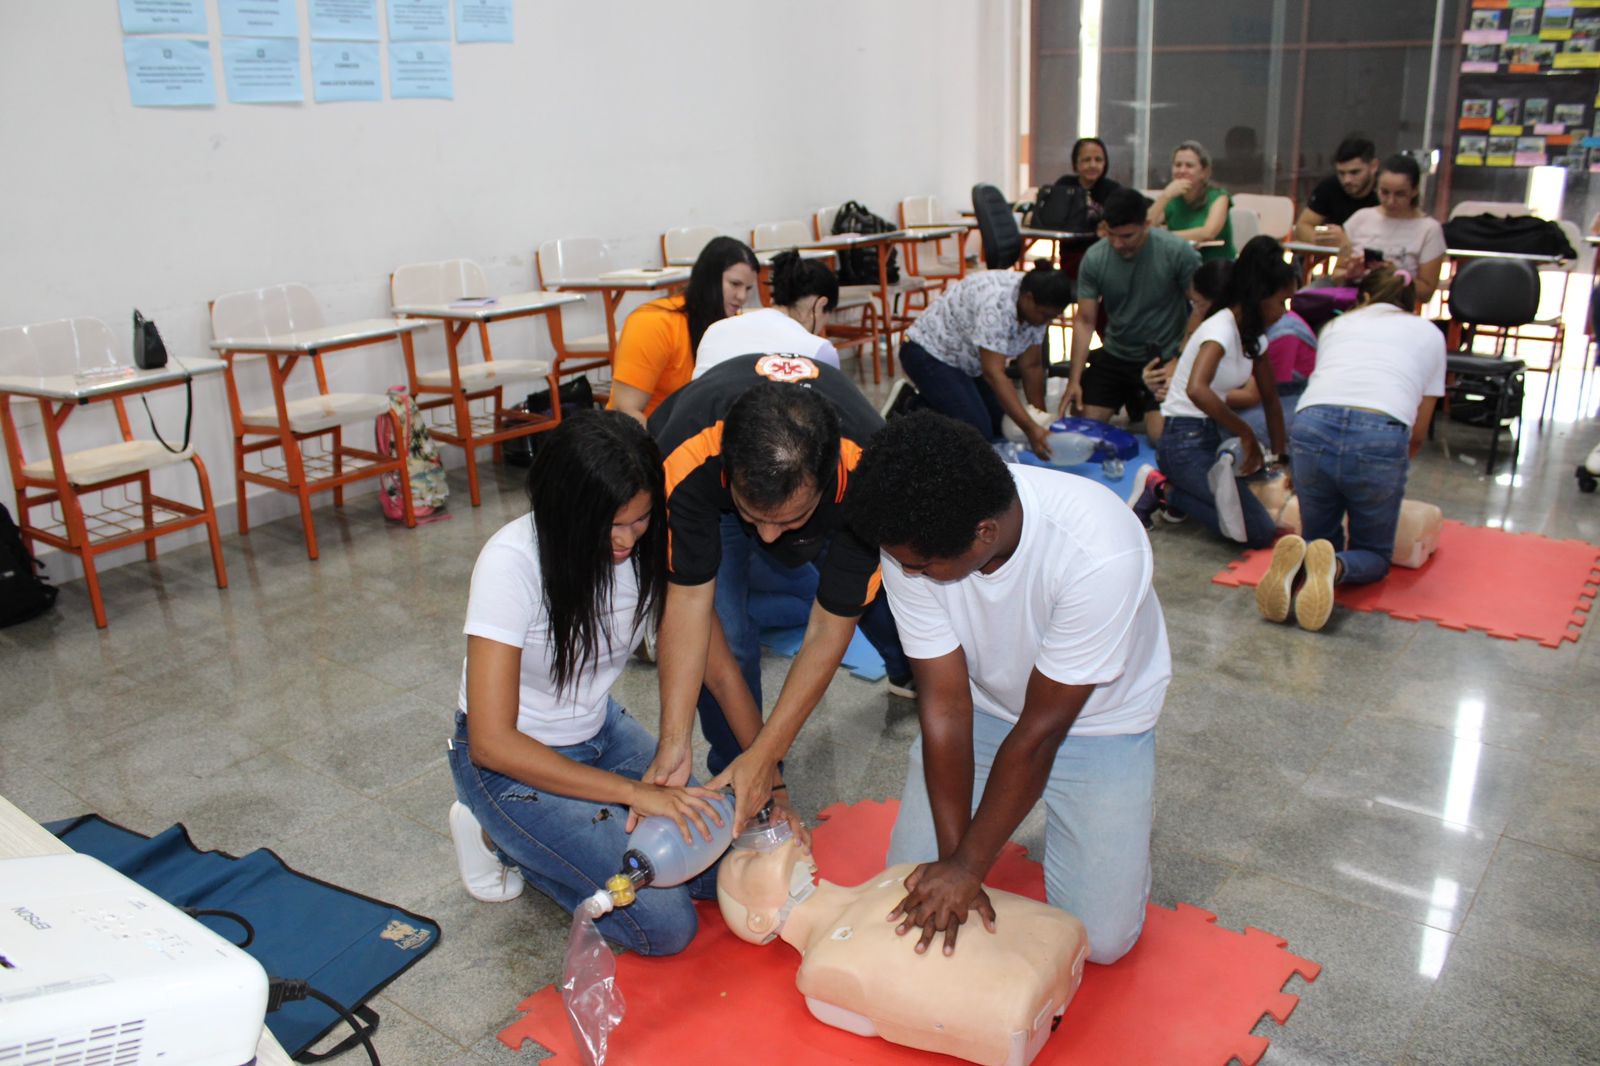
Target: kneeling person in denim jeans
547	765
1025	604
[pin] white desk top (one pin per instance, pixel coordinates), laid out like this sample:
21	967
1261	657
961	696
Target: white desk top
522	303
936	232
1307	248
766	257
647	279
309	340
1526	257
1592	238
1057	234
21	836
849	240
82	389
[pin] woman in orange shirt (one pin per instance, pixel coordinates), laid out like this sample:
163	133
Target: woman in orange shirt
655	356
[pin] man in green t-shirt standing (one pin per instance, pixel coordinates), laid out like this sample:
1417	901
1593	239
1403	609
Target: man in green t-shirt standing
1141	277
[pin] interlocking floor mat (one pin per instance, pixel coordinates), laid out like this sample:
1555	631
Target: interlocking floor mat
1515	586
1188	993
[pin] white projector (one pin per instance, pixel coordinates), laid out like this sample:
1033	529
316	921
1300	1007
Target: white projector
95	969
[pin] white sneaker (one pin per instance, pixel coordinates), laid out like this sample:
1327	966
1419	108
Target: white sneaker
485	876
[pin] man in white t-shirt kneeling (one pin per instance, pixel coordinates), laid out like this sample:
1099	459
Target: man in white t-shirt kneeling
1024	602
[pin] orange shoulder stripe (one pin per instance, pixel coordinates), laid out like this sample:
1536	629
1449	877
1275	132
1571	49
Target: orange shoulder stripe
849	456
692	454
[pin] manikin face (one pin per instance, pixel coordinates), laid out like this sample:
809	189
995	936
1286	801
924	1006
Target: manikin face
629	524
753	886
1356	175
1090	164
772	522
737	281
1396	194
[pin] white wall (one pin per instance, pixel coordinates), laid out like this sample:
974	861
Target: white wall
616	119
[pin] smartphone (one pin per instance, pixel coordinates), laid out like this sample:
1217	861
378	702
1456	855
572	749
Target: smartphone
1372	256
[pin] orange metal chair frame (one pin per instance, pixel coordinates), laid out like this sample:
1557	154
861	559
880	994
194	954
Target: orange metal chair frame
249	440
78	541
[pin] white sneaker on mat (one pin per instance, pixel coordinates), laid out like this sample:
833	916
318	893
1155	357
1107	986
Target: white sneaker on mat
485	876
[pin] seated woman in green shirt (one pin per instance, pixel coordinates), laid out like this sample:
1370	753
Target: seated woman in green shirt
1193	208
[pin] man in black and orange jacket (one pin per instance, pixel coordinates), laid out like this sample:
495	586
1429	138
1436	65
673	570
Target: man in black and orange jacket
758	453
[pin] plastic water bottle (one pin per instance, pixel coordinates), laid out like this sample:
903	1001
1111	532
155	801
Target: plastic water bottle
1009	450
1069	448
1112	467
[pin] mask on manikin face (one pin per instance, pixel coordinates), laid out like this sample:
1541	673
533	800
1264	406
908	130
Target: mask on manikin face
763	835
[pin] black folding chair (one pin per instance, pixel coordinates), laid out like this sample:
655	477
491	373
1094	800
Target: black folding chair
1486	390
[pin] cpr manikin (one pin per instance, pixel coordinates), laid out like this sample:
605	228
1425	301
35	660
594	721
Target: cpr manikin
995	1000
1416	535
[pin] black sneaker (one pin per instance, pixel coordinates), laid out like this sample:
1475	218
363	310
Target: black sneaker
904	687
903	399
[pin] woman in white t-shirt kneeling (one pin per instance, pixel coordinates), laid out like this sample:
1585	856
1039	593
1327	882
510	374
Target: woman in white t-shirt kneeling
546	763
803	292
1364	414
1225	352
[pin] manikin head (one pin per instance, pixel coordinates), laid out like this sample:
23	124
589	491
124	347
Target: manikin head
762	878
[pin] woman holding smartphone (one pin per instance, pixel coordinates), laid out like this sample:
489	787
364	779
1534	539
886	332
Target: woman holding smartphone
546	764
1395	232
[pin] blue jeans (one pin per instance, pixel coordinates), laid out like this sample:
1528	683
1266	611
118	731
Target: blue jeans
952	392
566	848
1097	803
744	565
1186	451
1351	461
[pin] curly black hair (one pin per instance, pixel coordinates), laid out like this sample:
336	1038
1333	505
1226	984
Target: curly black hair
925	482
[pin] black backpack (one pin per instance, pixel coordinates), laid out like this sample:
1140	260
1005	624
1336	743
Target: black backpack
1519	233
23	593
1062	206
859	266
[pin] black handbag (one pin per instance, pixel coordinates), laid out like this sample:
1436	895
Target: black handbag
149	351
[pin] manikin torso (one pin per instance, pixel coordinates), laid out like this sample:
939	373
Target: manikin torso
994	1000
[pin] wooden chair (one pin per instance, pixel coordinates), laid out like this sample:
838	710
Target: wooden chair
63	482
942	266
895	315
283	324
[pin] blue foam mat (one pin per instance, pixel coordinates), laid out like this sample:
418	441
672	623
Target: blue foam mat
860	658
344	945
1122	486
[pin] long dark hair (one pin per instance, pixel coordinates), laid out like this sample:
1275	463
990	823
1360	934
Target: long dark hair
702	301
587	468
1259	273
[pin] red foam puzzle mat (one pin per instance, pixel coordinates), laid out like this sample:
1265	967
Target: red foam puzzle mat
1188	993
1514	586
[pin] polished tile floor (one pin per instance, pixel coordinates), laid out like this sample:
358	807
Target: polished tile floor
1416	809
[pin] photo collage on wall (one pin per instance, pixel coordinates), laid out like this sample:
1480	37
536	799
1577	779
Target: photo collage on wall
1530	85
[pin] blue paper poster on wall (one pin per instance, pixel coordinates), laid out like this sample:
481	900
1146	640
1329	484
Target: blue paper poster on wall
420	71
262	70
259	18
163	16
169	72
345	70
483	20
419	20
343	20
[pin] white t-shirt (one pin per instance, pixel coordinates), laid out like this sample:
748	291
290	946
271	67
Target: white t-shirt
1233	371
507	605
979	311
1405	242
1378	357
1074	602
765	332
